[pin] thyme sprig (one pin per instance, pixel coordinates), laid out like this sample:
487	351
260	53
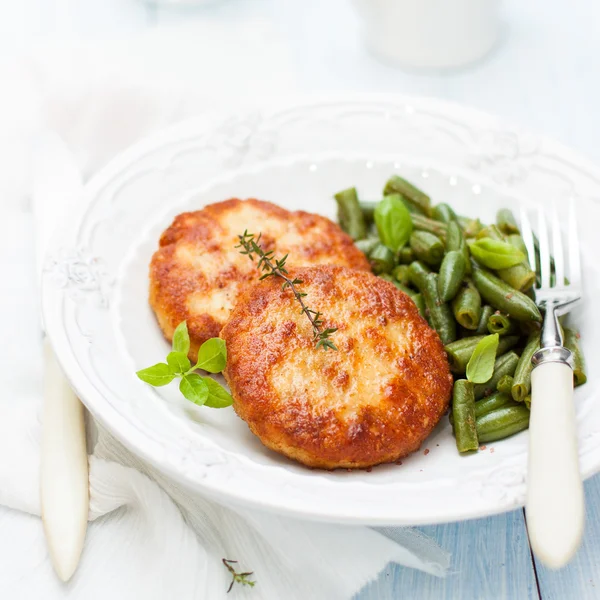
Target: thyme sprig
241	578
273	267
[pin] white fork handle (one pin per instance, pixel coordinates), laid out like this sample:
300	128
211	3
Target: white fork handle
555	508
64	470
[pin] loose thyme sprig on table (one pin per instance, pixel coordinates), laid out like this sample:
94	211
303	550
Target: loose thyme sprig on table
274	267
241	578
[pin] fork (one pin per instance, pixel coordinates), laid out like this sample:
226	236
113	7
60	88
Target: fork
554	505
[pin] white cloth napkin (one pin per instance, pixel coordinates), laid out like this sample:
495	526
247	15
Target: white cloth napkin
149	538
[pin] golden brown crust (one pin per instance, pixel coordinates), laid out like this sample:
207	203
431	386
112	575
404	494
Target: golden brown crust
197	273
374	400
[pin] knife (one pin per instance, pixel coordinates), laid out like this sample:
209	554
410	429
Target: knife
64	483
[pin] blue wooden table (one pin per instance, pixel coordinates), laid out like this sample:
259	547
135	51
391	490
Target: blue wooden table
491	560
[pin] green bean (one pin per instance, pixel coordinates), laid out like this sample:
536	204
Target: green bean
381	259
452	271
521	277
398	185
505	384
504	365
440	315
501	324
422	223
417	274
522	382
486	313
505	220
467	306
443	212
493	402
420	304
527	402
400	273
456	241
350	216
501	296
463	411
470	227
460	351
572	343
427	247
502	423
405	255
368	210
367	245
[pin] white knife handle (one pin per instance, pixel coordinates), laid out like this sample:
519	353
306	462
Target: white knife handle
555	508
64	469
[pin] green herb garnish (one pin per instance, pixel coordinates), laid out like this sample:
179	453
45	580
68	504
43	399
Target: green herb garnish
480	367
203	391
241	578
273	267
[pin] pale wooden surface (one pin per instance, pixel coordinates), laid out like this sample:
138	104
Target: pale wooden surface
544	75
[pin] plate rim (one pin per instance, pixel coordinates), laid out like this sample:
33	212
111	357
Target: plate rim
121	428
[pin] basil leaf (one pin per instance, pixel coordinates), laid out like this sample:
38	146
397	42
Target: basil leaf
496	254
218	396
179	362
181	338
157	375
194	388
480	367
212	356
393	221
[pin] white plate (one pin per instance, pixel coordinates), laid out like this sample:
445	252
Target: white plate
97	314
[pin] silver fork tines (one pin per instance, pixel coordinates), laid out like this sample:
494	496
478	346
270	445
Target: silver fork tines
556	292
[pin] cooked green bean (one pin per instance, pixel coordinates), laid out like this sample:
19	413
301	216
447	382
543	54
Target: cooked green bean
443	212
486	313
427	247
460	351
420	303
504	298
422	223
502	423
504	365
452	272
350	216
522	383
520	277
463	412
493	402
368	210
527	402
417	274
506	222
440	315
367	245
505	384
456	241
467	306
381	259
406	255
502	324
398	185
470	227
572	343
400	273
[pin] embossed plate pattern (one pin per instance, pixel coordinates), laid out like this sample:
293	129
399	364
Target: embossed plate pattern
297	154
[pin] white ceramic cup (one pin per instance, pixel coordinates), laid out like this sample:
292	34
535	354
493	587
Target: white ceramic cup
430	33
